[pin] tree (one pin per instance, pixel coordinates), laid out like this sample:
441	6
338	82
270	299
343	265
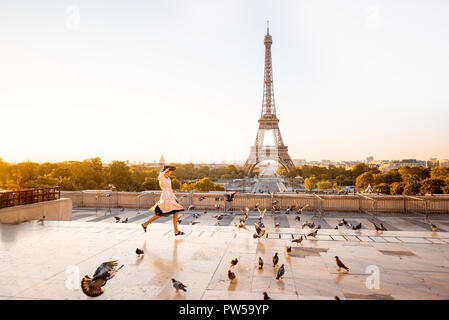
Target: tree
186	187
432	186
324	185
418	173
392	176
310	183
336	187
204	185
364	180
175	185
361	168
397	188
439	173
412	187
219	187
445	189
119	175
151	184
383	188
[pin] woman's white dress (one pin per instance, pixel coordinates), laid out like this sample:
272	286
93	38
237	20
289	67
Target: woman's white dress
167	201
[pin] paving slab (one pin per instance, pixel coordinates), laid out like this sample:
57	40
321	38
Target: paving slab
47	262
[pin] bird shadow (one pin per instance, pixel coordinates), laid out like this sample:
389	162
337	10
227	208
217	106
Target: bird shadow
340	276
232	285
139	260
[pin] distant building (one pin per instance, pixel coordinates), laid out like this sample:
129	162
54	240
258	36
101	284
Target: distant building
387	165
432	162
444	163
299	162
369	159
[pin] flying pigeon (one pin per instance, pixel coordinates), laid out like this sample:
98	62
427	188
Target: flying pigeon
299	240
230	197
92	287
313	233
139	252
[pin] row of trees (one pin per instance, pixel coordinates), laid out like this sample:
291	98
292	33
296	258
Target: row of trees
407	181
342	176
93	174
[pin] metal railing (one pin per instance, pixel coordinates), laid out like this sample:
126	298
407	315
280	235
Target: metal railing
28	196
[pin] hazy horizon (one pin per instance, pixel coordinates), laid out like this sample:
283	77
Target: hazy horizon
184	79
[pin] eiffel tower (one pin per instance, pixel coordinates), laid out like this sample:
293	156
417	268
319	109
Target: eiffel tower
268	121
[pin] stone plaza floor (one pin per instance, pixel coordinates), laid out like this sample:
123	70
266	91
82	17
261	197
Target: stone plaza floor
47	261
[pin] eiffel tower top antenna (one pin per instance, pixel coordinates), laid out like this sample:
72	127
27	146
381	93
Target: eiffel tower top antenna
268	27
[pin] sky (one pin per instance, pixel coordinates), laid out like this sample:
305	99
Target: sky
134	80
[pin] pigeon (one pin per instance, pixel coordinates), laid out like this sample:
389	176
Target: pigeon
299	240
41	220
381	227
275	260
287	211
318	227
125	220
230	197
340	264
92	287
191	207
277	225
261	214
260	263
139	252
234	262
376	227
231	275
281	272
313	233
336	298
299	211
117	219
202	198
342	222
259	231
434	227
240	226
297	218
357	227
266	296
122	209
336	228
288	249
178	285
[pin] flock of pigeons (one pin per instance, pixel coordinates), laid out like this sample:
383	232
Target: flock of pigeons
93	287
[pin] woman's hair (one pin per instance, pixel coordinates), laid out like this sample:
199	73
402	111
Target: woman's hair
171	168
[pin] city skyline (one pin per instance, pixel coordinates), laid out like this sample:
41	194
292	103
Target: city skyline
136	81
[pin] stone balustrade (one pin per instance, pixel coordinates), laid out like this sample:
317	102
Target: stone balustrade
338	203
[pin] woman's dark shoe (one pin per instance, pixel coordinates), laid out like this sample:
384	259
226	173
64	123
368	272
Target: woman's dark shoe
180	233
144	228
